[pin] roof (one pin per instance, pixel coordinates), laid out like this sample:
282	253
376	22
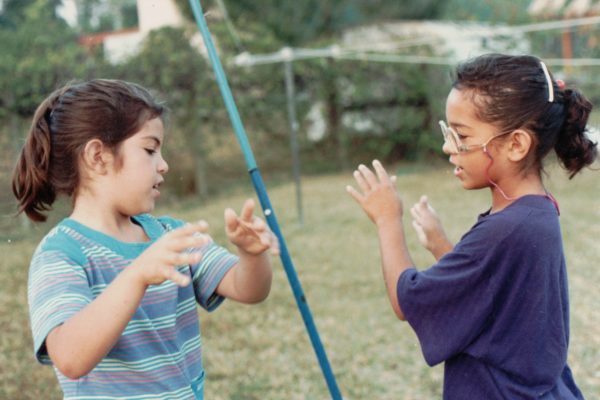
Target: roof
564	8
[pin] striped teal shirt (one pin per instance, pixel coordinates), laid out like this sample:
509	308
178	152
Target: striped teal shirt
158	356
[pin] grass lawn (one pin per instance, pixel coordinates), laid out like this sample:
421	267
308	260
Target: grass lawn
262	352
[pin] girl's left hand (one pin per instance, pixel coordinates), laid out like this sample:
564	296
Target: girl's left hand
379	197
249	233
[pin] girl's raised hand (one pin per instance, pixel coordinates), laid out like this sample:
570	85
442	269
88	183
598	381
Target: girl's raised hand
248	232
429	228
378	196
159	262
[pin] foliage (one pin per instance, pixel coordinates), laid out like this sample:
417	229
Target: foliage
298	23
33	62
493	11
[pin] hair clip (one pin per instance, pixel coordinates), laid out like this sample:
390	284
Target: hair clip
549	81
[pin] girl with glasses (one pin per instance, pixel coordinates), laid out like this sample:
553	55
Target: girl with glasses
494	307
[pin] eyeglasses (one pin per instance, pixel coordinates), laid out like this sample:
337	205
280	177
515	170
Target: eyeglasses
454	145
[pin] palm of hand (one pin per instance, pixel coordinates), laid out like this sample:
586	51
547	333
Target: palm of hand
249	233
377	196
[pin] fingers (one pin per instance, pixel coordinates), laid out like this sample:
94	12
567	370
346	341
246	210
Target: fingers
381	172
188	230
185	237
366	179
368	175
415	213
202	226
231	220
360	180
177	277
176	259
247	210
359	198
274	244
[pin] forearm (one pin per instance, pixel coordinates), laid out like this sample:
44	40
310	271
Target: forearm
395	258
442	247
252	277
79	344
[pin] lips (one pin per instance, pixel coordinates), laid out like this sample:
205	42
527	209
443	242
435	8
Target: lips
156	186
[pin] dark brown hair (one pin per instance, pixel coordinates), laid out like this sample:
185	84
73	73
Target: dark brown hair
511	92
108	110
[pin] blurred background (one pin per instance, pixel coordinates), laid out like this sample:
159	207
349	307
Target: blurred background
321	86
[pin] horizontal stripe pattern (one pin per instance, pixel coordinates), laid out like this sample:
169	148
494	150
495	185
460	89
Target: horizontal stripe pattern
159	353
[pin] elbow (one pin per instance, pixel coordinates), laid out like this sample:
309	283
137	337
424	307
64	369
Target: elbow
260	296
72	369
397	310
70	364
256	300
399	314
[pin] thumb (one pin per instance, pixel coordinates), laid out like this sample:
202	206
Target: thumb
420	232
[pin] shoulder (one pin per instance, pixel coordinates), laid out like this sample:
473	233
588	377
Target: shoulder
62	239
524	220
155	227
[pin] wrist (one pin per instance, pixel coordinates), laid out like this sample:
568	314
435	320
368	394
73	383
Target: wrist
386	221
243	253
135	276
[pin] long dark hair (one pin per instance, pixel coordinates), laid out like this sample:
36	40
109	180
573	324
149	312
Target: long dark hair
108	110
511	92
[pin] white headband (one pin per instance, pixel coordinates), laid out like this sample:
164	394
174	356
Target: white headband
549	81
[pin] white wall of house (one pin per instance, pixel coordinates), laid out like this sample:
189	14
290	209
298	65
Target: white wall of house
152	14
155	14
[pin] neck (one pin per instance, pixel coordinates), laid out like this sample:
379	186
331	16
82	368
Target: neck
507	191
93	212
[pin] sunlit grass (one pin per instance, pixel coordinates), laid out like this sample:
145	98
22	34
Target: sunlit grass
263	352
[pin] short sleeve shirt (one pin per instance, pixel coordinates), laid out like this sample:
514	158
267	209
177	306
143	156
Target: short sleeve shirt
159	353
495	309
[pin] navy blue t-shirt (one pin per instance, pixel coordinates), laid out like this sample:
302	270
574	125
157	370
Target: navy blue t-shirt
495	309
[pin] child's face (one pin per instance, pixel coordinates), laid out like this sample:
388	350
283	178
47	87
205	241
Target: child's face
473	133
136	181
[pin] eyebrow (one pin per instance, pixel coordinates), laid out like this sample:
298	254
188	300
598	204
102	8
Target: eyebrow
458	125
153	138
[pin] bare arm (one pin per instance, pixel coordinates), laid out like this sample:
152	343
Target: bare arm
249	281
380	201
78	345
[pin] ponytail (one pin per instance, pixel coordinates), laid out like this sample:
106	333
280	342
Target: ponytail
574	148
30	183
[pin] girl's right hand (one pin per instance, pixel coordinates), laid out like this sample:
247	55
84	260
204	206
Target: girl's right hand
159	262
429	228
378	196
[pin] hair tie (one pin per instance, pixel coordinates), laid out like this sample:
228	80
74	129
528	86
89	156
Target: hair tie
549	82
561	84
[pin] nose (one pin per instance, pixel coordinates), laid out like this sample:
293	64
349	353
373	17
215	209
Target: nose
163	167
447	149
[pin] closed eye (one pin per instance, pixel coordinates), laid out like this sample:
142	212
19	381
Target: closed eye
150	151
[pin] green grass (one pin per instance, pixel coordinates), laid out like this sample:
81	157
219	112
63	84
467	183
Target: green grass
263	352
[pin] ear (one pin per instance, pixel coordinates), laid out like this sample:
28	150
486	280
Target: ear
97	157
519	144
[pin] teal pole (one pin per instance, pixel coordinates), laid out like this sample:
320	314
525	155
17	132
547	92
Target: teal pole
263	197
